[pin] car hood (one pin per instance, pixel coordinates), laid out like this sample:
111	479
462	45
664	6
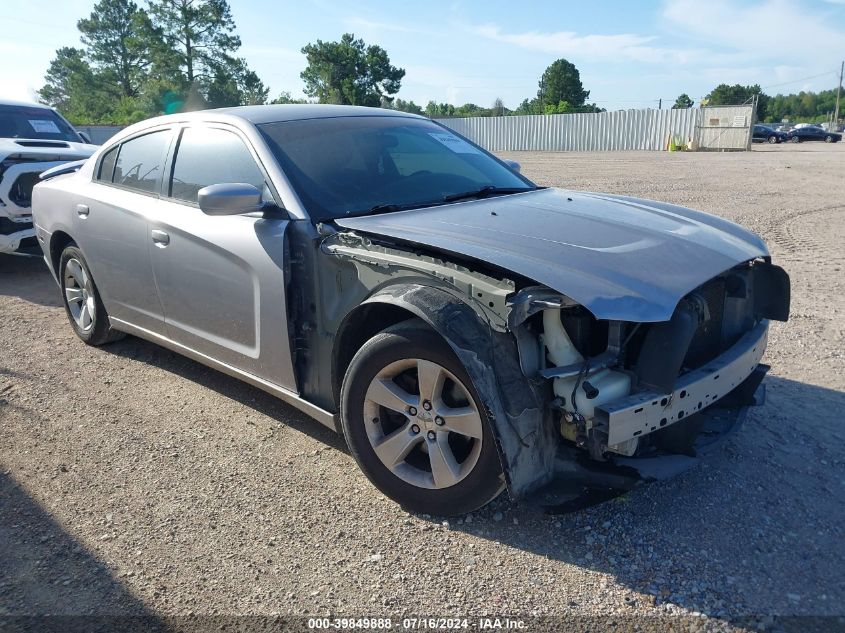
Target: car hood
48	150
622	258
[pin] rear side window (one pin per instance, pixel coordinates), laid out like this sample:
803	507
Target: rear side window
107	165
139	162
209	156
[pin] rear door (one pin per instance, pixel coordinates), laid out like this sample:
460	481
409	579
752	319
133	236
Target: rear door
113	232
221	280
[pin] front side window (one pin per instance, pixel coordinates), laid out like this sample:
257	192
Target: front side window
139	161
210	156
356	165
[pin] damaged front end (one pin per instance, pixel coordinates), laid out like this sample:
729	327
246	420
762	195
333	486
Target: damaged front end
647	398
577	402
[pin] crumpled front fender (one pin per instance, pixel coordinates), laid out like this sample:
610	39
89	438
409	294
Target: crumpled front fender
524	432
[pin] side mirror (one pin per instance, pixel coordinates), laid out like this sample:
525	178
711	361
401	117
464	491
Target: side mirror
512	165
85	137
231	198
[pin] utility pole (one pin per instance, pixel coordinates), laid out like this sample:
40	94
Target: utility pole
838	92
660	104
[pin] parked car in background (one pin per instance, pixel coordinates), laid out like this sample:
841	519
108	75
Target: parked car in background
813	133
465	330
33	138
766	134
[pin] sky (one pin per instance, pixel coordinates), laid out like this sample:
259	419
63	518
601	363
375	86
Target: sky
630	53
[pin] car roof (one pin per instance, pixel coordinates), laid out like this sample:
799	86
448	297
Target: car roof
259	114
24	104
292	112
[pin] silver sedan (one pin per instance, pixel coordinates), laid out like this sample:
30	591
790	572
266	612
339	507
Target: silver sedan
464	329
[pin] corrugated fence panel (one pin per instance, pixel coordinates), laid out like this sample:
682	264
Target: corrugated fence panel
725	127
718	128
99	134
600	131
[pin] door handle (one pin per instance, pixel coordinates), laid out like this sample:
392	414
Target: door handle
82	210
160	238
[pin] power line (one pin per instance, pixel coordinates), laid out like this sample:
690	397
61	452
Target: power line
795	81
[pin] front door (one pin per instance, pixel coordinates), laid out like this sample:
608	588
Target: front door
221	280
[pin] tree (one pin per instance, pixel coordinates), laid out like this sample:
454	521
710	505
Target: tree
118	39
528	106
234	85
683	102
75	89
805	106
434	109
200	32
349	72
562	107
253	90
285	97
723	94
404	106
562	82
223	91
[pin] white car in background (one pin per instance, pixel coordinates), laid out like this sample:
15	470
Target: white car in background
33	138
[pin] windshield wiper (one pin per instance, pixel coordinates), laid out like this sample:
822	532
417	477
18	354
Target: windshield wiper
488	190
390	207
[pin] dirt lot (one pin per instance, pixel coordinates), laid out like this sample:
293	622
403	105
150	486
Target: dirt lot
135	481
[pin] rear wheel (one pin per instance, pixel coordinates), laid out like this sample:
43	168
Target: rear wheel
82	302
414	424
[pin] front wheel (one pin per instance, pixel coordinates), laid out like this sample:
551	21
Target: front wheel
796	139
416	426
773	139
828	139
82	302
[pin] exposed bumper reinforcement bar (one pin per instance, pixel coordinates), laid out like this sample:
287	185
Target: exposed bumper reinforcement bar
643	413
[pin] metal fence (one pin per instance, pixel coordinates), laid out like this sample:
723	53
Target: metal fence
725	127
606	131
709	128
99	134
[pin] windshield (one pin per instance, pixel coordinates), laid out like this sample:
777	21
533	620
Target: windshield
357	165
35	123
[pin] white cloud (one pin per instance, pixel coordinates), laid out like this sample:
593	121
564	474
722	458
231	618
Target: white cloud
627	46
441	84
766	30
362	24
274	52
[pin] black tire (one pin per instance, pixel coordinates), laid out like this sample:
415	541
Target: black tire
99	331
828	139
773	139
795	139
414	340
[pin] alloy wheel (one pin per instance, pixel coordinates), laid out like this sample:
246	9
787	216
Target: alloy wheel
422	423
79	294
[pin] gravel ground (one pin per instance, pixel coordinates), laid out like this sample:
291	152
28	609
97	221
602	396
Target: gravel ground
135	481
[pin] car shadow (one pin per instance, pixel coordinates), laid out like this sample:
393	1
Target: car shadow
766	509
29	279
140	350
49	581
